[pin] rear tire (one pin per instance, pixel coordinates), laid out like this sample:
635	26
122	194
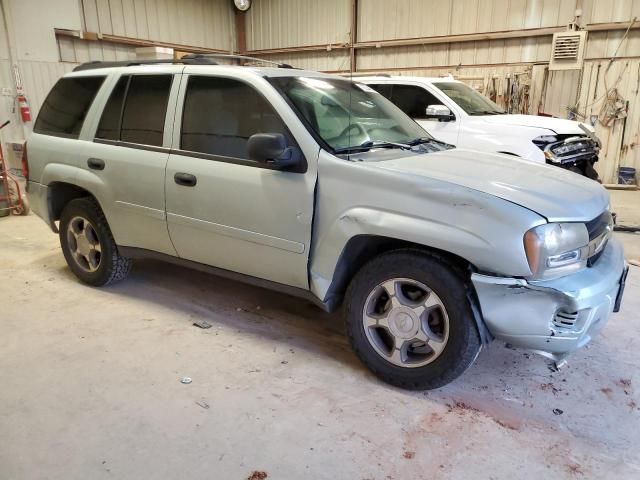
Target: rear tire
88	245
386	337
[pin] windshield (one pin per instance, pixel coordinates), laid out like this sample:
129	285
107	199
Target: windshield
468	99
346	114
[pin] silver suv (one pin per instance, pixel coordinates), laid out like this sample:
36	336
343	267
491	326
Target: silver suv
320	187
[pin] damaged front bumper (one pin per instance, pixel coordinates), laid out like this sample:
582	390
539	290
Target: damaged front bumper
554	317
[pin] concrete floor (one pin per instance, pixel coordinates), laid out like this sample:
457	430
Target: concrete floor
90	387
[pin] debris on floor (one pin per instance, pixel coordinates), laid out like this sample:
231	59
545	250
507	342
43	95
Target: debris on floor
257	475
203	404
186	380
202	324
557	411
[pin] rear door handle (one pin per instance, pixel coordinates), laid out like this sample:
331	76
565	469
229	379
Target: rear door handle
185	179
95	163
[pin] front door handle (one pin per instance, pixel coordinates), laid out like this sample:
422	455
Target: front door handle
95	163
185	179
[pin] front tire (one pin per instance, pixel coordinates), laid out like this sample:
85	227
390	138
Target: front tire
88	245
409	320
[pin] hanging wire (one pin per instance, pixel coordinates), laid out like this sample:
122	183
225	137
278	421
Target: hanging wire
613	107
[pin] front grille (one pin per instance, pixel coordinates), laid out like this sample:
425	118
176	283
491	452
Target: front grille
598	225
599	231
594	258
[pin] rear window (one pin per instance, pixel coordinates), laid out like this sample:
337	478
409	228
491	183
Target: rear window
66	106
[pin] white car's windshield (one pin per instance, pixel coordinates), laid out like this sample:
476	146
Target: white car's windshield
468	99
348	115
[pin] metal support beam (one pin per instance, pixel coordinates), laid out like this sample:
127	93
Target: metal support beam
136	42
353	36
241	31
468	37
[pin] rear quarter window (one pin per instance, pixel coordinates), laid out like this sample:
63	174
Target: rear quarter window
66	106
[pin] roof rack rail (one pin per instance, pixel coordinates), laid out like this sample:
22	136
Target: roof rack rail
364	74
240	58
130	63
190	59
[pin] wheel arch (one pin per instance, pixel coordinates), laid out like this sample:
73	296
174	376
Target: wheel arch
360	249
59	194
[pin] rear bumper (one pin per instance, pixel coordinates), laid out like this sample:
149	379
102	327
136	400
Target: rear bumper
554	317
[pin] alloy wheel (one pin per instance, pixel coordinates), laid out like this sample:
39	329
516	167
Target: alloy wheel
84	244
406	322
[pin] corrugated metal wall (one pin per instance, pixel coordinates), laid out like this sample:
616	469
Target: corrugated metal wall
202	23
517	50
336	60
391	19
287	23
78	51
293	23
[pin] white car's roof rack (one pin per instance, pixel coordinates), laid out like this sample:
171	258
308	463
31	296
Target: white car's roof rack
365	75
190	59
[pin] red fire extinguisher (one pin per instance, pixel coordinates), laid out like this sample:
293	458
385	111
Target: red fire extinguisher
25	111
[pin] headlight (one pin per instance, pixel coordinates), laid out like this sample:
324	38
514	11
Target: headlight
544	139
556	249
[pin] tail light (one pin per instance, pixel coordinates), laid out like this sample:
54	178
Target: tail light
25	163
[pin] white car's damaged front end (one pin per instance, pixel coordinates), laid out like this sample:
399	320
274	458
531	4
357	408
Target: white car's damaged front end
562	143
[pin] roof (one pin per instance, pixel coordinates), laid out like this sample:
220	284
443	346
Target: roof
404	78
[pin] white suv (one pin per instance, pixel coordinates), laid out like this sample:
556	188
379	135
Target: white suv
455	113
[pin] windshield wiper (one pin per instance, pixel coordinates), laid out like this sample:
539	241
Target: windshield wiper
368	145
488	112
421	140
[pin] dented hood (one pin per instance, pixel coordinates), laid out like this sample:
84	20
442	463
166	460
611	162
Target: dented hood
554	193
557	125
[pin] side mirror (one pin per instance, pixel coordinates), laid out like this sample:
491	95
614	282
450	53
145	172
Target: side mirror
272	149
439	112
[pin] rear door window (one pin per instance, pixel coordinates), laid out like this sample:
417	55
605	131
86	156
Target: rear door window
109	127
136	110
413	100
66	106
145	109
382	88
